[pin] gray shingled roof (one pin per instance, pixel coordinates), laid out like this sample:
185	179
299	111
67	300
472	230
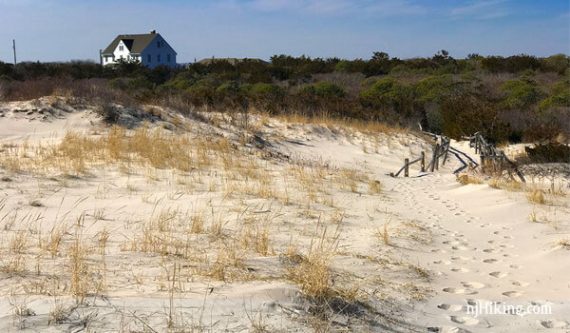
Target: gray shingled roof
135	43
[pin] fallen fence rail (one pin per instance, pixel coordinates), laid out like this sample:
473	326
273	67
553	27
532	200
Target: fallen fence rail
441	150
493	158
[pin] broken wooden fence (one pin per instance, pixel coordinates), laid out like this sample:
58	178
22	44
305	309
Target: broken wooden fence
493	160
441	150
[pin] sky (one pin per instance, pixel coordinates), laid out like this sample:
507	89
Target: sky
64	30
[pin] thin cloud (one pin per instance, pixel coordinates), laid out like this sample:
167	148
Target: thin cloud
395	7
340	7
488	9
330	7
275	5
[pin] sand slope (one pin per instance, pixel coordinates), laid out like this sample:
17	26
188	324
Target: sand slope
450	246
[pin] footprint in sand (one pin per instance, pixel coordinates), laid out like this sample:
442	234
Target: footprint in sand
444	262
474	285
459	270
554	324
505	246
459	291
473	302
512	293
460	258
490	261
450	307
515	266
520	284
464	320
490	250
498	274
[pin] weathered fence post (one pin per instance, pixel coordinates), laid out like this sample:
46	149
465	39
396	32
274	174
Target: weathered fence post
434	157
500	163
482	163
423	163
406	167
446	151
437	158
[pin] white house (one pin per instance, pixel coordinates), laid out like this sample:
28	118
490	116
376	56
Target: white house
149	49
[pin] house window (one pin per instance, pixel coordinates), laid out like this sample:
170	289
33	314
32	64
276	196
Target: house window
158	58
168	57
158	44
106	58
148	58
121	48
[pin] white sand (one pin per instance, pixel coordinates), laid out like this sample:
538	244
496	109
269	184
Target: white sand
476	243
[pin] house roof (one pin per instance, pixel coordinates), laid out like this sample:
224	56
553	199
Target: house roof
135	43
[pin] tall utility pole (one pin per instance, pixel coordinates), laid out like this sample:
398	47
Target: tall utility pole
14	47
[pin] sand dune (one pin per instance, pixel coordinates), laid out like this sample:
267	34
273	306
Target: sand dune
288	226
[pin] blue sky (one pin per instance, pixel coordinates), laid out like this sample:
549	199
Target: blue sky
62	30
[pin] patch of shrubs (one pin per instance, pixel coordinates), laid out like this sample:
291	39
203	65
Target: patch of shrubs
451	96
549	153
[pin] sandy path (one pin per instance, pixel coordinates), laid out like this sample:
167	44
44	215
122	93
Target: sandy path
486	250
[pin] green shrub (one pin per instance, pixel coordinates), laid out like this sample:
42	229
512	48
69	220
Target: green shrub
549	153
323	90
434	88
558	63
520	94
267	97
202	92
387	93
560	96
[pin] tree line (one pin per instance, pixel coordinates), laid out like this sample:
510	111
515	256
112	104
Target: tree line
520	97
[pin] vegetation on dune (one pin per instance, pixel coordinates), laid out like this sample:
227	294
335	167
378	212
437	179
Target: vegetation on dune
512	98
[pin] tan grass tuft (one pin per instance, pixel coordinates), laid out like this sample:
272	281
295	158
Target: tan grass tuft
465	179
536	196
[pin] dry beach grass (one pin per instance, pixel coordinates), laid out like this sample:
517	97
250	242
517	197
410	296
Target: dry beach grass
183	225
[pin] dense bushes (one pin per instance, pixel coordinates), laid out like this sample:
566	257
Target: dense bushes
265	96
510	98
389	94
521	93
549	153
